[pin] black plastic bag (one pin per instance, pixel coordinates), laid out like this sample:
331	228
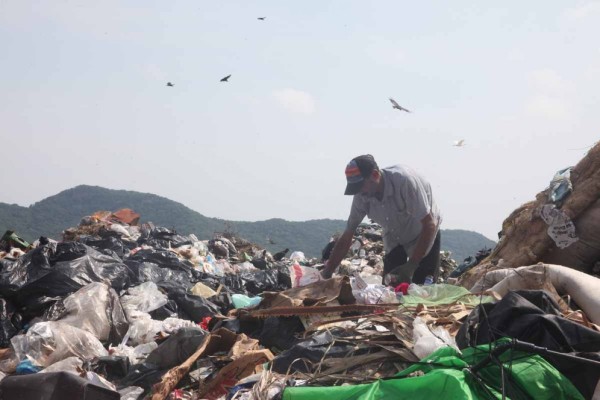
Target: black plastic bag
160	237
143	271
10	322
166	259
195	307
169	310
53	386
306	355
280	333
111	367
43	276
112	243
143	375
177	348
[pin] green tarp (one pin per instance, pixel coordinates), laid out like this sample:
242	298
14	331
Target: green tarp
438	294
447	377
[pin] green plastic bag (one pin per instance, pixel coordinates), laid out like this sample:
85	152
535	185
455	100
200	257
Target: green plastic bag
447	377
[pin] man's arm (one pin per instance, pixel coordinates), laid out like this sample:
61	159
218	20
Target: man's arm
426	238
339	251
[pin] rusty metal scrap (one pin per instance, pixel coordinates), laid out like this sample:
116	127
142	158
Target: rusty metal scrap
297	311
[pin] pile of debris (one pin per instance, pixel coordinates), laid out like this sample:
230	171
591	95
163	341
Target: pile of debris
119	310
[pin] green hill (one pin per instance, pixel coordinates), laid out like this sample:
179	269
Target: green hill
52	215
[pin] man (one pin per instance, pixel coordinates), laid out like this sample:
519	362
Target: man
400	200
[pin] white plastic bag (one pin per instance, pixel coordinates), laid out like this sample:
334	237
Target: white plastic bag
427	340
297	256
302	276
48	342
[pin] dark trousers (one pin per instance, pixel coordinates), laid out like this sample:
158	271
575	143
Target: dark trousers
429	265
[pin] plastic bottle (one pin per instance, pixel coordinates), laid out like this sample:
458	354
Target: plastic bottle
428	280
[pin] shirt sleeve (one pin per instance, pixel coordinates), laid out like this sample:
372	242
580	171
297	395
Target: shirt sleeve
357	213
416	197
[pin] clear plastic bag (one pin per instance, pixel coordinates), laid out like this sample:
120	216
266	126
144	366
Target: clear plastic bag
145	298
96	309
48	342
73	365
427	340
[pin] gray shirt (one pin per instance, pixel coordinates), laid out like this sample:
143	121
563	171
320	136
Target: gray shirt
407	199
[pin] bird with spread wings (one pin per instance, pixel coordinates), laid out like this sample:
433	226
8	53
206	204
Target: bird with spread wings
398	106
459	143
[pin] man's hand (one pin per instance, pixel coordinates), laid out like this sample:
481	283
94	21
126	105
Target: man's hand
402	273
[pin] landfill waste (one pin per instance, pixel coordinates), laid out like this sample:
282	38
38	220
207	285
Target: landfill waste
121	309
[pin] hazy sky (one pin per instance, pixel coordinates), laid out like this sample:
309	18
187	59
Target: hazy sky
83	100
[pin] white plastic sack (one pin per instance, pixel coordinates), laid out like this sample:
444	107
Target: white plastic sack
302	276
427	340
48	342
297	256
145	298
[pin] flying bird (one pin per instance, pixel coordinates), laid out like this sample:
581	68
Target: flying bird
226	79
261	18
398	106
459	143
170	84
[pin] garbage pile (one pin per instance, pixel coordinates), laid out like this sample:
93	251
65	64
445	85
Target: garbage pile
119	310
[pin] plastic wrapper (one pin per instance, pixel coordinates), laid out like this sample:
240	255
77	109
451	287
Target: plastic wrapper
48	342
94	308
302	276
243	301
143	329
427	340
202	290
98	380
145	298
135	355
131	393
